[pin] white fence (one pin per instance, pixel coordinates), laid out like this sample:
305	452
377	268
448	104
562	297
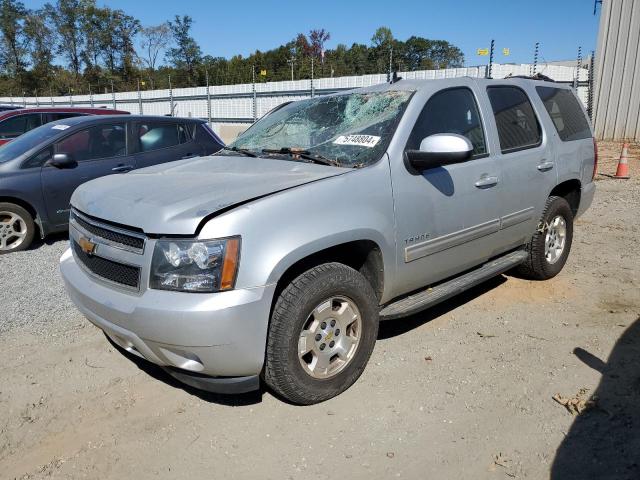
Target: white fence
235	104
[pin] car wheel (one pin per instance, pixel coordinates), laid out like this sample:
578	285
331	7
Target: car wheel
322	332
16	228
549	247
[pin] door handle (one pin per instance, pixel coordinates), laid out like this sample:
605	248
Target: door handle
486	181
122	168
545	166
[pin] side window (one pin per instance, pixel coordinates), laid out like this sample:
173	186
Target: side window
450	111
565	112
102	141
518	126
13	127
39	158
157	135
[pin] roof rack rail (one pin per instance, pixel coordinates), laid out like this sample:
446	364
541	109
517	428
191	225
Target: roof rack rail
537	76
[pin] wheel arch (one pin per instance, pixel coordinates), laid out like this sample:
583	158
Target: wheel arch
571	191
37	219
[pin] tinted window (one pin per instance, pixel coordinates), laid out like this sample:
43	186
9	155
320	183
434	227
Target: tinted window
565	112
102	141
15	126
52	117
450	111
517	123
26	142
154	136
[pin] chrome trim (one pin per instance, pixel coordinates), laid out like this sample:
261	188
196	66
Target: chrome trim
126	288
104	241
450	240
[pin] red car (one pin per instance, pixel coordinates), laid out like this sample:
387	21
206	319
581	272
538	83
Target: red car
14	123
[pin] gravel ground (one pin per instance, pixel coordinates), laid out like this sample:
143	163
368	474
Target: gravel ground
463	390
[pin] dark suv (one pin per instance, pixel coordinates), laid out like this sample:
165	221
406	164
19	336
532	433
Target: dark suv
16	121
40	170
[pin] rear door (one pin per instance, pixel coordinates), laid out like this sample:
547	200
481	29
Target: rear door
527	159
99	150
160	141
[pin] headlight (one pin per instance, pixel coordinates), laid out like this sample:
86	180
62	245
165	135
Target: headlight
195	266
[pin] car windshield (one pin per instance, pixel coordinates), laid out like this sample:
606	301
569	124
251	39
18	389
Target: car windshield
27	141
348	130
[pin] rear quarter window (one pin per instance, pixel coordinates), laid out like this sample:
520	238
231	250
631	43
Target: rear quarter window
565	112
518	126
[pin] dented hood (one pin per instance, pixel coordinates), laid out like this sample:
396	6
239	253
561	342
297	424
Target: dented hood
174	198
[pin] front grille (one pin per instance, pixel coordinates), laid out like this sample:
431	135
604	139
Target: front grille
112	236
108	269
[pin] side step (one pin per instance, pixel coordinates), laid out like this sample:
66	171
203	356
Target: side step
431	296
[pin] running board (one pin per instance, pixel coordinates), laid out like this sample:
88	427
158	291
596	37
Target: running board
431	296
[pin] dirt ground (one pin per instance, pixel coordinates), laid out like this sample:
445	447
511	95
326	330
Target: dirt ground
461	391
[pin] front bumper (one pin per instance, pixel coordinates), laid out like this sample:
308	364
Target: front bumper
196	336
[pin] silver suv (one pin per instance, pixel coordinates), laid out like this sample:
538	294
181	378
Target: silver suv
276	258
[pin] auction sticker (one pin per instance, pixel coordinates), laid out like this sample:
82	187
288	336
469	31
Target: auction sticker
59	127
368	141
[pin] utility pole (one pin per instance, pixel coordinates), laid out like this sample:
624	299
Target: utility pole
206	74
255	99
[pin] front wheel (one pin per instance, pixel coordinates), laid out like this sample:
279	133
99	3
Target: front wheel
550	245
16	228
322	332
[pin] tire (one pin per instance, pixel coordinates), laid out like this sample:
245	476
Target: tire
303	304
543	263
16	228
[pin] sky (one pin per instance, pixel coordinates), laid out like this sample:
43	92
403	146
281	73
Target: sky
228	28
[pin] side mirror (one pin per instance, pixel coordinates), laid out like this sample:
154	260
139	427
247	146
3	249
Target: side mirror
440	149
63	160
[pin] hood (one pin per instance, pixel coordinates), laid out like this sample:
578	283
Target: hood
174	198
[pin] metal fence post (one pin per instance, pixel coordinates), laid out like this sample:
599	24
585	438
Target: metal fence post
206	72
490	71
591	87
37	101
255	99
71	96
51	95
24	99
139	99
90	96
113	96
11	98
170	98
535	58
312	90
576	82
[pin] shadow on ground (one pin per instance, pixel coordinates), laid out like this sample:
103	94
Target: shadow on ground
604	442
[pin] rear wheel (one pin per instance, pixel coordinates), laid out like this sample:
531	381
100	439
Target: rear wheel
322	332
16	228
549	247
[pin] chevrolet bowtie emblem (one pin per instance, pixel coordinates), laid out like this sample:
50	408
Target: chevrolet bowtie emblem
87	246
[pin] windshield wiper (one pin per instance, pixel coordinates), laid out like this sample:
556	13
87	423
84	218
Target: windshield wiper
243	151
304	154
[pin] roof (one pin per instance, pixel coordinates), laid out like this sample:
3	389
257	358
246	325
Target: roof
85	110
106	118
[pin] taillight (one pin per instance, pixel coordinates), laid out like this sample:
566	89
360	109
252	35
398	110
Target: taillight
595	159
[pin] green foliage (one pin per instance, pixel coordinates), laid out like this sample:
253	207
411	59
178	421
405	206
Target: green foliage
73	46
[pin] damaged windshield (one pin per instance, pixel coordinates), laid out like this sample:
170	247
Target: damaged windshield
348	130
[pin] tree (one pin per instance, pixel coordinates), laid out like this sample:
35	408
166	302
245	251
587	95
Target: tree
68	16
317	39
14	41
383	43
41	36
154	40
186	54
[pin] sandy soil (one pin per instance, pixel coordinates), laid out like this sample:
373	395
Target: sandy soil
461	391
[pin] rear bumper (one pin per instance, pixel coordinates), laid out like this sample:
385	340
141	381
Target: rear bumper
586	197
215	342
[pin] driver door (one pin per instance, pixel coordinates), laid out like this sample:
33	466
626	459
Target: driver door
448	218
